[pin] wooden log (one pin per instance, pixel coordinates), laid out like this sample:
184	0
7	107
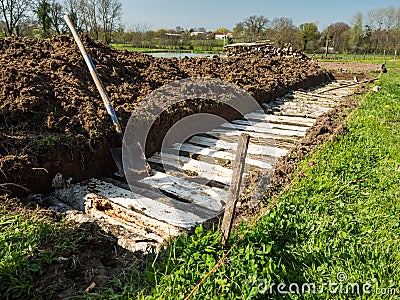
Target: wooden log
234	189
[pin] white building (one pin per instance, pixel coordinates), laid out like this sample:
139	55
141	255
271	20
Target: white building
223	35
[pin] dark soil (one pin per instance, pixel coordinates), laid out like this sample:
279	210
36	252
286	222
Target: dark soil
53	120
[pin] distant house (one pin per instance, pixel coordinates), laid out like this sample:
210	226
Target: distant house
197	33
173	34
223	35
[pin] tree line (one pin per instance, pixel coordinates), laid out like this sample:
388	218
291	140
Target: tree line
377	31
44	18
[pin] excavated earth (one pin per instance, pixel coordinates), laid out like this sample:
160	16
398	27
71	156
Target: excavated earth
53	120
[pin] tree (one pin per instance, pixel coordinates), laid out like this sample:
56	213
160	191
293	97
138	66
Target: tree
255	25
337	36
222	29
13	11
282	31
239	29
251	27
109	16
356	32
308	32
43	15
56	14
75	9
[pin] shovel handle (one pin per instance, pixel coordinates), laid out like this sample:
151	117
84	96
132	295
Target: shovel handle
96	78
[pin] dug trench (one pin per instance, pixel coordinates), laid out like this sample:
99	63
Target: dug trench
53	121
31	154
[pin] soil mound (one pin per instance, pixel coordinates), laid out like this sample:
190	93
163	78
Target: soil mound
53	120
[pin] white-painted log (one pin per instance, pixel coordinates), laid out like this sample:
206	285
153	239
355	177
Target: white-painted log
249	128
253	148
203	169
220	154
204	196
271	125
167	210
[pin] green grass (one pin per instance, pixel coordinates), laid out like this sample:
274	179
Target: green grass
184	49
341	217
28	245
369	58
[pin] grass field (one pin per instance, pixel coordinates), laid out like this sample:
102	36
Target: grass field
186	49
338	225
369	58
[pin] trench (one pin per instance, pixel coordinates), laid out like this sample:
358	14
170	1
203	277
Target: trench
146	214
88	160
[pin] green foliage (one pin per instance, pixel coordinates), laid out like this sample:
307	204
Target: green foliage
44	19
47	141
356	33
222	29
308	32
25	252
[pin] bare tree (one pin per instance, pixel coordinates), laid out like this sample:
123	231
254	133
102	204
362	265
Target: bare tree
76	11
255	25
13	11
109	16
91	18
252	27
56	14
283	31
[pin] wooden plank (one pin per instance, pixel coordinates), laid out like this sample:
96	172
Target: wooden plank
313	102
234	189
167	210
220	154
271	125
298	114
203	169
252	149
304	104
282	119
306	95
278	132
143	228
210	198
298	106
257	135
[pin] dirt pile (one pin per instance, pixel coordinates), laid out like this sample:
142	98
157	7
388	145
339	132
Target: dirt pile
52	118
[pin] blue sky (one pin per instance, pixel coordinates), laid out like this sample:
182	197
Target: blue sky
223	13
